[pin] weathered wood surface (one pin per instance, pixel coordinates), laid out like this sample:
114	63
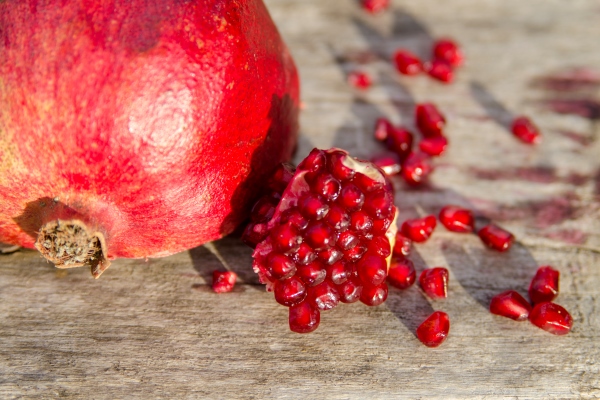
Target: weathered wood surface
155	330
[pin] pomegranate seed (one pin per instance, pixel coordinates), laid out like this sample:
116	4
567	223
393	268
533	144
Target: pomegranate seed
434	146
457	219
286	238
379	205
337	273
372	270
402	274
382	127
327	186
330	256
361	222
319	236
263	209
324	296
337	167
312	274
304	255
510	304
314	162
407	63
429	120
289	292
254	234
544	285
434	330
338	218
359	79
416	168
304	318
419	229
282	176
440	70
347	240
374	295
552	318
495	237
313	207
399	140
389	163
380	245
351	198
355	253
434	282
402	246
447	50
281	266
350	290
223	281
375	6
381	226
294	218
524	129
366	184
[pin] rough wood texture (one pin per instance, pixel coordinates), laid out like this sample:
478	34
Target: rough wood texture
155	330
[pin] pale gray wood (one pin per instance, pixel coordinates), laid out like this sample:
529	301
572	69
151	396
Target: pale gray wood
155	330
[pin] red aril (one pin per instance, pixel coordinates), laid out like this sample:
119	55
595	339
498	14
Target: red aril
289	292
401	274
382	127
407	63
375	6
495	237
419	229
434	330
434	282
544	285
374	295
429	120
416	168
448	51
402	246
434	146
389	163
524	129
439	70
552	318
457	219
350	290
324	296
510	304
372	269
399	140
304	318
359	79
223	281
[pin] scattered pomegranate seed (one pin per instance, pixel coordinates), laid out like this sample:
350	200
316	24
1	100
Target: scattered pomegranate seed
223	281
375	6
402	245
429	120
434	146
399	140
457	219
495	237
524	129
382	127
552	318
407	63
416	168
402	274
419	229
510	304
448	51
389	163
374	295
544	285
439	70
434	282
304	318
434	330
359	79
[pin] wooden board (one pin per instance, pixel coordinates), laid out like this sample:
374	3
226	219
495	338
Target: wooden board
154	329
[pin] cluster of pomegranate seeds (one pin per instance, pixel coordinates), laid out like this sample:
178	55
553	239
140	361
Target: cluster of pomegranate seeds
544	285
524	129
434	330
496	238
223	281
510	304
446	56
434	282
419	229
359	79
457	219
328	239
375	6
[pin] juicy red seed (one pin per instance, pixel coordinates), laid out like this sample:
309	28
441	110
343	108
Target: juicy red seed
401	274
457	219
331	256
372	269
416	168
366	184
355	253
510	304
447	50
281	177
347	240
327	186
350	290
407	63
399	141
552	318
319	236
312	274
281	266
337	168
286	238
380	245
495	237
254	234
434	146
351	197
304	255
440	70
434	282
374	295
324	296
429	119
223	281
524	129
434	330
289	292
375	6
389	163
382	127
314	161
402	245
361	222
380	226
313	207
359	79
544	285
419	229
263	209
337	218
379	204
293	217
304	318
337	273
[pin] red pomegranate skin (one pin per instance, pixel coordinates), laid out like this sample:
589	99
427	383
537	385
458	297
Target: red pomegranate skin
151	121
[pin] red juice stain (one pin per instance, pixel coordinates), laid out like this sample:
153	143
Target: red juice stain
571	80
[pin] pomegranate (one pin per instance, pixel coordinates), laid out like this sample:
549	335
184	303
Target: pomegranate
139	128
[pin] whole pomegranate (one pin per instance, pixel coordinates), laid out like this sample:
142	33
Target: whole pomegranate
137	128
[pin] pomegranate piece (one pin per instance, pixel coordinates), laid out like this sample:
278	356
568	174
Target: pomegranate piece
223	281
429	120
402	274
457	219
304	318
439	70
374	295
402	245
359	79
544	285
524	129
434	330
407	63
448	51
434	282
375	6
510	304
495	237
434	146
552	318
400	141
389	163
416	168
419	229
